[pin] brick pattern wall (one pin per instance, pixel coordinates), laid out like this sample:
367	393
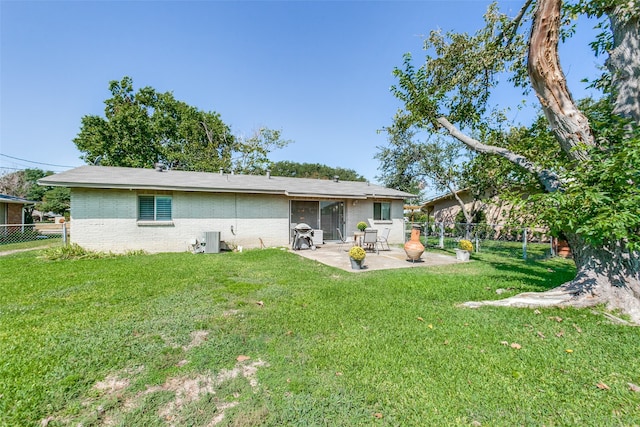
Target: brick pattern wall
106	220
14	213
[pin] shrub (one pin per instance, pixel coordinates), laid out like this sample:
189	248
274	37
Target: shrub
72	251
362	225
357	253
465	245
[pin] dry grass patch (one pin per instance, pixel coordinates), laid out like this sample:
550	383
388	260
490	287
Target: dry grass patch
185	390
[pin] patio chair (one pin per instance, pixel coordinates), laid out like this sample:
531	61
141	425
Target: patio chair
383	239
370	240
342	239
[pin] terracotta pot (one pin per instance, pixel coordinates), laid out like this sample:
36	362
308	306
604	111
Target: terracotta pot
413	248
562	249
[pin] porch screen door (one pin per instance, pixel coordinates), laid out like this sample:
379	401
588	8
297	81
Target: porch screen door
331	217
304	211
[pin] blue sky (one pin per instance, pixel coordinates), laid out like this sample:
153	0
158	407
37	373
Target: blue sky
320	71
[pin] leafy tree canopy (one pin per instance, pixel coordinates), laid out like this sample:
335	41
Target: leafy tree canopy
24	183
56	200
582	158
454	84
313	170
147	127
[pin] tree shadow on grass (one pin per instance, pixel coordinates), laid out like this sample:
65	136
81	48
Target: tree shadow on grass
535	275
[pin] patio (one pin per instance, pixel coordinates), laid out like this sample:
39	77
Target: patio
334	255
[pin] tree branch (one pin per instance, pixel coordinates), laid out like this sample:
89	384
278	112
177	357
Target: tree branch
568	124
547	178
463	207
515	23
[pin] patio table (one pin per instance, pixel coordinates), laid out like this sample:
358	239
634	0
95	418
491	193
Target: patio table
357	238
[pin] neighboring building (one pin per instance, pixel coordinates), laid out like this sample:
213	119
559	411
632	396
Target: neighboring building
500	220
121	209
445	208
12	209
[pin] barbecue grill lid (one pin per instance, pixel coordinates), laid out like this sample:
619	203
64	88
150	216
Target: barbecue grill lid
302	227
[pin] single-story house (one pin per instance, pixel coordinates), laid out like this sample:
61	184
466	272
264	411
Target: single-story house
445	208
12	209
498	213
121	209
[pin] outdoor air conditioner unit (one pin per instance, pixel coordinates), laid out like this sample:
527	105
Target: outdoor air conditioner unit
318	237
212	242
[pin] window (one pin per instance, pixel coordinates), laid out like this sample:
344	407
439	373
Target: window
154	208
382	211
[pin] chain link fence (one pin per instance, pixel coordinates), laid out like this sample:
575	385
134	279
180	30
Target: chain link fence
512	240
21	236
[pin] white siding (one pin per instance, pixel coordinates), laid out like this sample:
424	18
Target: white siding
362	210
106	220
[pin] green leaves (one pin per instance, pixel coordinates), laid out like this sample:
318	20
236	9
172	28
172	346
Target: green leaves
460	71
144	127
601	198
313	170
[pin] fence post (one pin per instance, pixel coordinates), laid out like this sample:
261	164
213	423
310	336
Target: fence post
477	244
524	244
441	242
64	233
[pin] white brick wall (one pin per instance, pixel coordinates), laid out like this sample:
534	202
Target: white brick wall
106	220
362	210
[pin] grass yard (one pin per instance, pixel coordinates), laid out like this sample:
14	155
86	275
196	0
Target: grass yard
31	244
513	249
265	337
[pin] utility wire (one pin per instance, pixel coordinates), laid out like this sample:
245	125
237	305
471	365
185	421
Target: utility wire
38	163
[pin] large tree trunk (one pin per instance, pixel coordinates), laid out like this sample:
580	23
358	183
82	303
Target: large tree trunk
567	122
624	63
609	274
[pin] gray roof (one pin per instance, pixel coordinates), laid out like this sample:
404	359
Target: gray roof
5	198
151	179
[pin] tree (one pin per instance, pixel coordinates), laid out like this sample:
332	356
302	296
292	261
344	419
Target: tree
252	152
407	163
24	183
56	200
313	170
593	194
398	167
146	127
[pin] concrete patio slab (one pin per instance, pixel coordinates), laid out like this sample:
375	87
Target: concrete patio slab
334	255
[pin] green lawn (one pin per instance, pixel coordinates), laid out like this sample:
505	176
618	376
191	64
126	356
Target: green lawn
155	340
31	244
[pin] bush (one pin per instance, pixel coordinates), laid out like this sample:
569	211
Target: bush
362	225
357	253
73	251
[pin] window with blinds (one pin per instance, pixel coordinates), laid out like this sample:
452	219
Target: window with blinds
154	208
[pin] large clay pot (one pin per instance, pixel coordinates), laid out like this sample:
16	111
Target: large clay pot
562	249
413	247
